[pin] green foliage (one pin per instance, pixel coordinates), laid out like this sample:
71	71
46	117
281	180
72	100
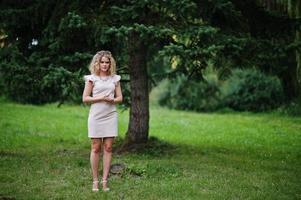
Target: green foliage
184	36
186	94
150	11
243	90
72	21
252	90
74	62
63	84
35	80
73	33
193	48
21	81
292	108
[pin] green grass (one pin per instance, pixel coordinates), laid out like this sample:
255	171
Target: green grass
45	155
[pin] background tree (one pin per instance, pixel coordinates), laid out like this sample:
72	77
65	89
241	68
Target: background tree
146	26
47	43
277	23
292	9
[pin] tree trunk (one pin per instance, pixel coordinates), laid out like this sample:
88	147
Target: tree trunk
292	76
139	110
294	11
298	59
298	53
290	81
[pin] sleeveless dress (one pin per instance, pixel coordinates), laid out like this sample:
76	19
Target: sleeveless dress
103	117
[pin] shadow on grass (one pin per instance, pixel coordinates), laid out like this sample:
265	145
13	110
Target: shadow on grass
4	153
6	198
153	147
157	148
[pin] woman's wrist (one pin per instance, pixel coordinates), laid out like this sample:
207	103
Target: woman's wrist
99	98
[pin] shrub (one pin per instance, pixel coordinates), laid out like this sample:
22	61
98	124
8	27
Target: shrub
252	90
186	94
292	108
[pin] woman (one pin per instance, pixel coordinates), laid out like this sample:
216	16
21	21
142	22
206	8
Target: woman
105	88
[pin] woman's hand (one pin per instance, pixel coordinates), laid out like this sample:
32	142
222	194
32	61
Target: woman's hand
108	99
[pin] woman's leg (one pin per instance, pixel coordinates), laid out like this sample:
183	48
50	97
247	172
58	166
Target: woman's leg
94	159
107	157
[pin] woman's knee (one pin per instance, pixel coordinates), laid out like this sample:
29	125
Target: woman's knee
108	148
95	147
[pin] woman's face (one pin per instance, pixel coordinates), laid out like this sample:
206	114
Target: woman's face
104	64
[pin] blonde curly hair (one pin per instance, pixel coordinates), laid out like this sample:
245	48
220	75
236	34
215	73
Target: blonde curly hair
95	62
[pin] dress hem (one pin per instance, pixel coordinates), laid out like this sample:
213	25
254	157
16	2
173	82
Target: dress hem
103	136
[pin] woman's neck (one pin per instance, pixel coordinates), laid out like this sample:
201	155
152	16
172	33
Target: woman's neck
102	74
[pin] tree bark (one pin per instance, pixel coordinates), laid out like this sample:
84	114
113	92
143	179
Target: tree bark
294	11
298	59
290	80
139	110
298	53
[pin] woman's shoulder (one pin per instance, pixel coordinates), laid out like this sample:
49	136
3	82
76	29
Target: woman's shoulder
116	78
90	77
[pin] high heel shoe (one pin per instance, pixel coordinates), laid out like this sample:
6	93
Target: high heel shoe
105	189
93	188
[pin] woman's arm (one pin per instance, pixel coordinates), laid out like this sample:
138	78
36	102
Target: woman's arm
118	93
87	92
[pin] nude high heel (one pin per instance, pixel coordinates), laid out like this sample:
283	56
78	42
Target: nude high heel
105	189
95	189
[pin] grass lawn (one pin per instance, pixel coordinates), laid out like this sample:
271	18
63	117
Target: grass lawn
45	155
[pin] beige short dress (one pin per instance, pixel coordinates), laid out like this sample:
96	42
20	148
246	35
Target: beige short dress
103	117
